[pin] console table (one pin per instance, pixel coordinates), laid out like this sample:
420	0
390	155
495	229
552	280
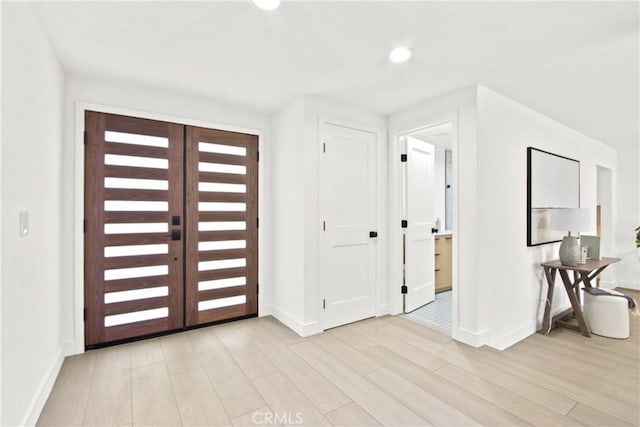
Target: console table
582	274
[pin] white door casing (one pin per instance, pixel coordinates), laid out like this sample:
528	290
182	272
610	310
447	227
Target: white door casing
348	215
420	211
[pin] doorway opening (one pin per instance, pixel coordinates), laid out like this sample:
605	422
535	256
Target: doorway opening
429	235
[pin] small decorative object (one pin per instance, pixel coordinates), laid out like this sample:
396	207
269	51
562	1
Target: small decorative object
593	243
584	250
438	224
573	219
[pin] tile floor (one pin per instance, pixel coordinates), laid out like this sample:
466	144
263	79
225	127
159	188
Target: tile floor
437	313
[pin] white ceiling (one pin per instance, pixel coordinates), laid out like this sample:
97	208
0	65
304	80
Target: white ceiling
574	61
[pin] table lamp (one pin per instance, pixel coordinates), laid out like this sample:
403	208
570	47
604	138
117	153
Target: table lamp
569	219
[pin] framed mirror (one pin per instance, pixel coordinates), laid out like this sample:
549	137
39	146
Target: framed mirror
553	181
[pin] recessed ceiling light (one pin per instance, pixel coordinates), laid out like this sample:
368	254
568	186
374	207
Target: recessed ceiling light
267	4
399	54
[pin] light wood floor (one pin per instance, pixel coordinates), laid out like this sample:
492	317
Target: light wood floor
385	371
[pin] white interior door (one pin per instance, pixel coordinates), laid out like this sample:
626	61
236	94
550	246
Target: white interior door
348	215
420	263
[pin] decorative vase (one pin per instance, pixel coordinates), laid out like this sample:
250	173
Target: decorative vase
570	251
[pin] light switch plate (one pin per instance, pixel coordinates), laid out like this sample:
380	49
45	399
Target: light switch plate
24	223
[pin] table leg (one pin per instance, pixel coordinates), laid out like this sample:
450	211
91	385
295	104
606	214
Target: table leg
550	274
575	304
586	279
576	287
595	274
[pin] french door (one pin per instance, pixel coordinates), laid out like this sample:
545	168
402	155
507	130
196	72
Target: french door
170	226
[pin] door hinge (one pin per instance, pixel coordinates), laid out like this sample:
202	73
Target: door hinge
324	226
403	158
257	156
324	147
84	314
257	222
86	137
257	288
324	304
404	223
403	289
84	225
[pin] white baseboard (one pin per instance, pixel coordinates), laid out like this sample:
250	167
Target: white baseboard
516	335
628	285
474	339
300	328
39	400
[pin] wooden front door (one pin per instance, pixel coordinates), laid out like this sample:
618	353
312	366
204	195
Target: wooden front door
222	225
156	211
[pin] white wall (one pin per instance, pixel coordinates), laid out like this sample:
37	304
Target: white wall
460	107
139	100
605	200
1	97
32	279
509	276
287	194
627	214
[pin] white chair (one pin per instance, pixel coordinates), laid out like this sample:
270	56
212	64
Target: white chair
607	315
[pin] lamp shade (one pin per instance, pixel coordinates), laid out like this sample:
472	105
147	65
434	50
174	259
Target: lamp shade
570	219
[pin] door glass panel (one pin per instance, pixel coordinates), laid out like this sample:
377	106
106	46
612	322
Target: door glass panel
221	283
137	139
135	161
222	244
135	272
113	251
221	207
222	168
220	264
136	316
223	188
222	226
159	291
141	184
151	227
222	149
222	302
133	206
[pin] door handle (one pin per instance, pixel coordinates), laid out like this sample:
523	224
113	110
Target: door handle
175	234
373	234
